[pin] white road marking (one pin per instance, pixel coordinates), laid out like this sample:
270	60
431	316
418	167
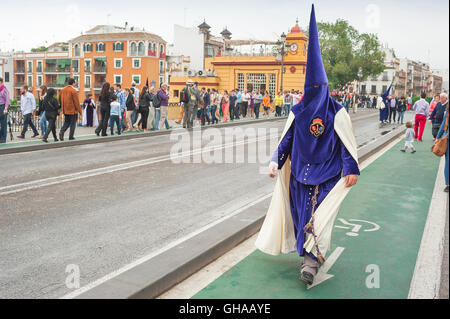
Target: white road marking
10	189
425	283
322	274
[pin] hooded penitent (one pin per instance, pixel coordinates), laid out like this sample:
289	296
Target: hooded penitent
316	149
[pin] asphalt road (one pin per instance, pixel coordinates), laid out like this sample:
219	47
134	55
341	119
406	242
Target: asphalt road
101	220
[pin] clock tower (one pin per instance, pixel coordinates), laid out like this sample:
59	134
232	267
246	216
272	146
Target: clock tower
298	45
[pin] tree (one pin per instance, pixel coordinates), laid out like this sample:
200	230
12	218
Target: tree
39	49
345	52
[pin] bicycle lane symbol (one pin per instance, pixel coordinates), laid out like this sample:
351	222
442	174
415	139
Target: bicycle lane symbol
355	227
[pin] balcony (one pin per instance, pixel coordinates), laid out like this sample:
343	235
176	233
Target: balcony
98	85
20	69
99	68
152	53
162	55
55	69
55	85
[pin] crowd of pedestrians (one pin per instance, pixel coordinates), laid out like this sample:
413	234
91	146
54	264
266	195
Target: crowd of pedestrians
211	106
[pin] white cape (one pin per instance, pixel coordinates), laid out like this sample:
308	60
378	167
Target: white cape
94	119
277	232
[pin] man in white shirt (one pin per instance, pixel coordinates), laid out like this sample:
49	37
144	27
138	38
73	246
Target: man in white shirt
421	109
244	105
27	106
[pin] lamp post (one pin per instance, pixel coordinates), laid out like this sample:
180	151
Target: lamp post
282	49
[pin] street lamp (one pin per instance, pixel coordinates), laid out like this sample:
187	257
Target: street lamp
282	49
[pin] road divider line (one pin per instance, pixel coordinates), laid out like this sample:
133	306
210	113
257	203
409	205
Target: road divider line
11	189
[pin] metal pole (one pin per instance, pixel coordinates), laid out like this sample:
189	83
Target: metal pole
282	68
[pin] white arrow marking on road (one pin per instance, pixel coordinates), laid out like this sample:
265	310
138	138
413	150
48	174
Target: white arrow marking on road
322	274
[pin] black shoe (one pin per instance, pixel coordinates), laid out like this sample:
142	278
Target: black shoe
71	138
20	136
45	140
307	277
403	151
56	140
98	133
412	152
61	137
35	135
446	189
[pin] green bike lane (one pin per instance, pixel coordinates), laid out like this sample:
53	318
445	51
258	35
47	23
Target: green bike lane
379	227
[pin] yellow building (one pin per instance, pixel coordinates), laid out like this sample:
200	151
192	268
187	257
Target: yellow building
260	71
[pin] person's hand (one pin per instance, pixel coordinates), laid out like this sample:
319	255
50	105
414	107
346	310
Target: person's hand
5	111
351	180
273	170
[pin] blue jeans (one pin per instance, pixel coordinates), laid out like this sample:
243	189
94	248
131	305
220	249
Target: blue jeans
214	119
114	119
287	109
122	124
133	117
157	118
3	124
400	116
43	123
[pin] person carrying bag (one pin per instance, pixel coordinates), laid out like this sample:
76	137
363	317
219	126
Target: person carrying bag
440	146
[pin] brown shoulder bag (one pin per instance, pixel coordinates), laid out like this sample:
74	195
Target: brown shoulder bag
440	146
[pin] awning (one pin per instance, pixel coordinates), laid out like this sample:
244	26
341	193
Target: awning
62	63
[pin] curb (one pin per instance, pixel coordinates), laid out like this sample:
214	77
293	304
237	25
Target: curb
160	273
47	146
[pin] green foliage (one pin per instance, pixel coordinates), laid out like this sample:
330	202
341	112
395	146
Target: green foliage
414	99
345	51
39	49
13	102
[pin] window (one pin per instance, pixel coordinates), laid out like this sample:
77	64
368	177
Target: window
209	51
363	89
100	47
87	81
29	66
161	66
141	48
118	79
6	76
161	49
384	89
39	81
118	46
88	47
30	81
374	89
77	80
76	50
176	93
272	83
136	79
240	84
118	63
154	47
133	49
256	81
87	65
39	66
161	81
136	63
76	66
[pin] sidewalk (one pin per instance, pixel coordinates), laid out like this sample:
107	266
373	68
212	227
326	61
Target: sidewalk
86	133
377	234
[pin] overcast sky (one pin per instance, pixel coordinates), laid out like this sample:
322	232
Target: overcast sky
415	29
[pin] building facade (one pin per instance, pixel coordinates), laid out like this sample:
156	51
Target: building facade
230	69
103	54
7	71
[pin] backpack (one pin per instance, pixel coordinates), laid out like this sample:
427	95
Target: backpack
156	101
184	95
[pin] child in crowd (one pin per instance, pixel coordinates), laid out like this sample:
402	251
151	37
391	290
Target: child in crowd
409	138
115	114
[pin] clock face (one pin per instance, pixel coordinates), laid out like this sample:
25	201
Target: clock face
294	47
